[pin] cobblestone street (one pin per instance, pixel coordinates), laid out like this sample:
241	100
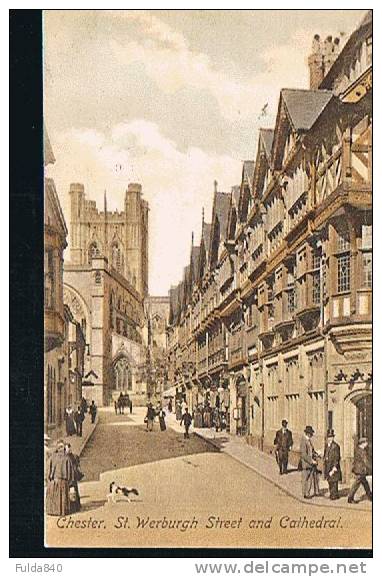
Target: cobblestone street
190	493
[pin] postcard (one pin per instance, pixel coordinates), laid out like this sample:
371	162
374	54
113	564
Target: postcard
208	279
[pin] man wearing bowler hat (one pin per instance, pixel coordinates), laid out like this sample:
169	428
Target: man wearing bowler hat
309	473
332	464
283	443
361	468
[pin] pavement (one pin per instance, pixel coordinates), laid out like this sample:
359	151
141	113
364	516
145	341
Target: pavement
77	443
191	494
264	465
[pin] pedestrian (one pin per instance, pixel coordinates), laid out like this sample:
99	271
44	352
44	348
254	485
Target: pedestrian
93	411
116	407
74	494
187	420
332	464
60	475
131	406
207	416
309	473
69	422
283	443
178	410
223	420
169	406
78	419
121	404
217	420
84	405
198	417
162	422
150	416
361	468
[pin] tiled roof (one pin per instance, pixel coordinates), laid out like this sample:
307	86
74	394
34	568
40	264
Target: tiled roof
367	19
206	233
235	190
249	168
48	151
267	138
195	260
345	57
222	206
305	106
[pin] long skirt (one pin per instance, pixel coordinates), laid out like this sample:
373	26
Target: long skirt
198	421
162	424
310	482
207	419
178	413
57	498
70	427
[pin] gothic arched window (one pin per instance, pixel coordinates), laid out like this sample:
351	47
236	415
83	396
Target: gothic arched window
93	252
116	256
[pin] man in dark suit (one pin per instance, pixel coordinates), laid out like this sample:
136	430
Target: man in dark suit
283	442
361	468
187	420
332	464
78	419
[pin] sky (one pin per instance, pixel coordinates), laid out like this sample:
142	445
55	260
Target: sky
170	99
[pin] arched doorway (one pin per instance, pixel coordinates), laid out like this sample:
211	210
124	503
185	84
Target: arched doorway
364	407
358	422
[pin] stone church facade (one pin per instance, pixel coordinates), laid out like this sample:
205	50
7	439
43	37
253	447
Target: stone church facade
105	284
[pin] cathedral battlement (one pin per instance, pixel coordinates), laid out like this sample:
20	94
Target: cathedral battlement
119	236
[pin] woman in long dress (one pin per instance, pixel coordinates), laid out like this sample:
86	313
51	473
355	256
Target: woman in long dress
60	476
309	461
69	421
162	422
74	494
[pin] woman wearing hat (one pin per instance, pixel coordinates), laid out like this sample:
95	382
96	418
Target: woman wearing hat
309	472
332	466
61	475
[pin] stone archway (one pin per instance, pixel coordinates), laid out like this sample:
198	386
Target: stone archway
358	422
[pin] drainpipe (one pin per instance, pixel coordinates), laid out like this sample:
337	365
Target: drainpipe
325	336
261	367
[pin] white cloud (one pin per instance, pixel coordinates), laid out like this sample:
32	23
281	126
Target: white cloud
176	184
168	60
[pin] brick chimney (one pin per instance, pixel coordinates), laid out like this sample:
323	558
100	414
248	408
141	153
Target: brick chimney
321	59
316	63
331	50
